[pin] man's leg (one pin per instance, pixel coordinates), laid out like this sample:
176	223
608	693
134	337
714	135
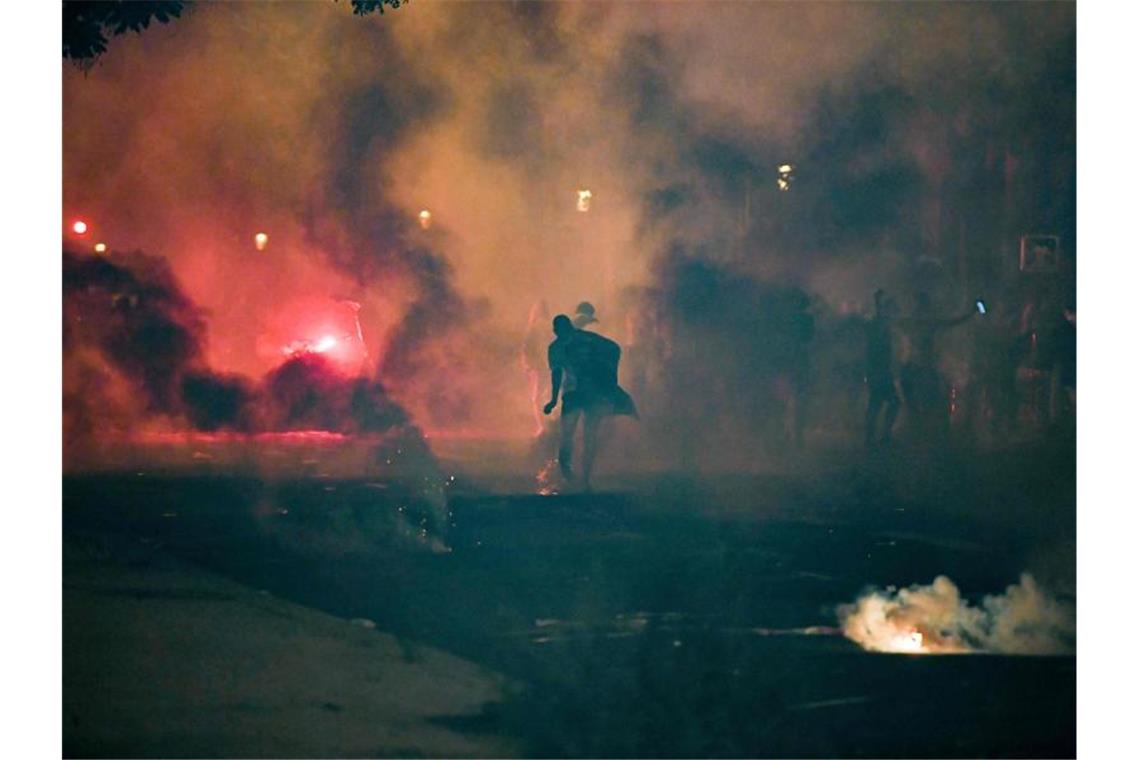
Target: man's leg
892	413
568	424
591	430
874	401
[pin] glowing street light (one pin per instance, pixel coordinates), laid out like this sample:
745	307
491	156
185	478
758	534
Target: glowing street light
584	197
80	227
785	173
425	219
260	240
100	248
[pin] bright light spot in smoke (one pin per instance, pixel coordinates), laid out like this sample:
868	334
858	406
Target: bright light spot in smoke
584	197
321	345
935	619
260	240
911	642
100	248
425	219
80	227
785	173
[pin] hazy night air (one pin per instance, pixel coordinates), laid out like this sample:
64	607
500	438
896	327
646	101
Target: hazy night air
311	260
331	132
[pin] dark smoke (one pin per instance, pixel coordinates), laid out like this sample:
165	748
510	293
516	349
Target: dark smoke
914	171
133	312
307	393
215	402
923	131
425	350
373	242
735	353
134	350
422	356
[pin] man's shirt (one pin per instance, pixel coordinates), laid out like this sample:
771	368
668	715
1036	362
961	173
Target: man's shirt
588	361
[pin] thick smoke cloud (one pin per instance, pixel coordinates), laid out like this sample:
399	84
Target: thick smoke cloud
935	619
134	355
331	132
728	355
137	317
308	393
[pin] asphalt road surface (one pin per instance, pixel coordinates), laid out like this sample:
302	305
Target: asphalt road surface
666	616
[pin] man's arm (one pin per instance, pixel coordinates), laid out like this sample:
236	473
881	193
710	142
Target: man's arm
954	321
910	323
555	386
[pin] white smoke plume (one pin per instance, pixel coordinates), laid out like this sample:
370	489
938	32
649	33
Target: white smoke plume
934	619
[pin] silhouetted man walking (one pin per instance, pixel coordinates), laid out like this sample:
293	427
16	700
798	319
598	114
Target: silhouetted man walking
584	368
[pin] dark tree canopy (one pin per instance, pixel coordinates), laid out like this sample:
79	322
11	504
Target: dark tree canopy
364	7
88	24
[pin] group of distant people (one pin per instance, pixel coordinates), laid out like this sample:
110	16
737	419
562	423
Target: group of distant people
918	378
583	366
998	353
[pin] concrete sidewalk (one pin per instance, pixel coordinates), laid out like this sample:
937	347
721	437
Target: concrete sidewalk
164	659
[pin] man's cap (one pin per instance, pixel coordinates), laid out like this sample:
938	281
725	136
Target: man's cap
584	314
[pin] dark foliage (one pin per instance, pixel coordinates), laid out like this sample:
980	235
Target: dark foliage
364	7
88	25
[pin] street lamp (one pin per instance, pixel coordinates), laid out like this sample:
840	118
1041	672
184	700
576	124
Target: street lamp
584	197
785	173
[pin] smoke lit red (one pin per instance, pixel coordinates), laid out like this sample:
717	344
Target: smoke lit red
326	326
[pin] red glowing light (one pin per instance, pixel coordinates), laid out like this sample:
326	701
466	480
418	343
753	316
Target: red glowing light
322	345
319	326
80	227
326	344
